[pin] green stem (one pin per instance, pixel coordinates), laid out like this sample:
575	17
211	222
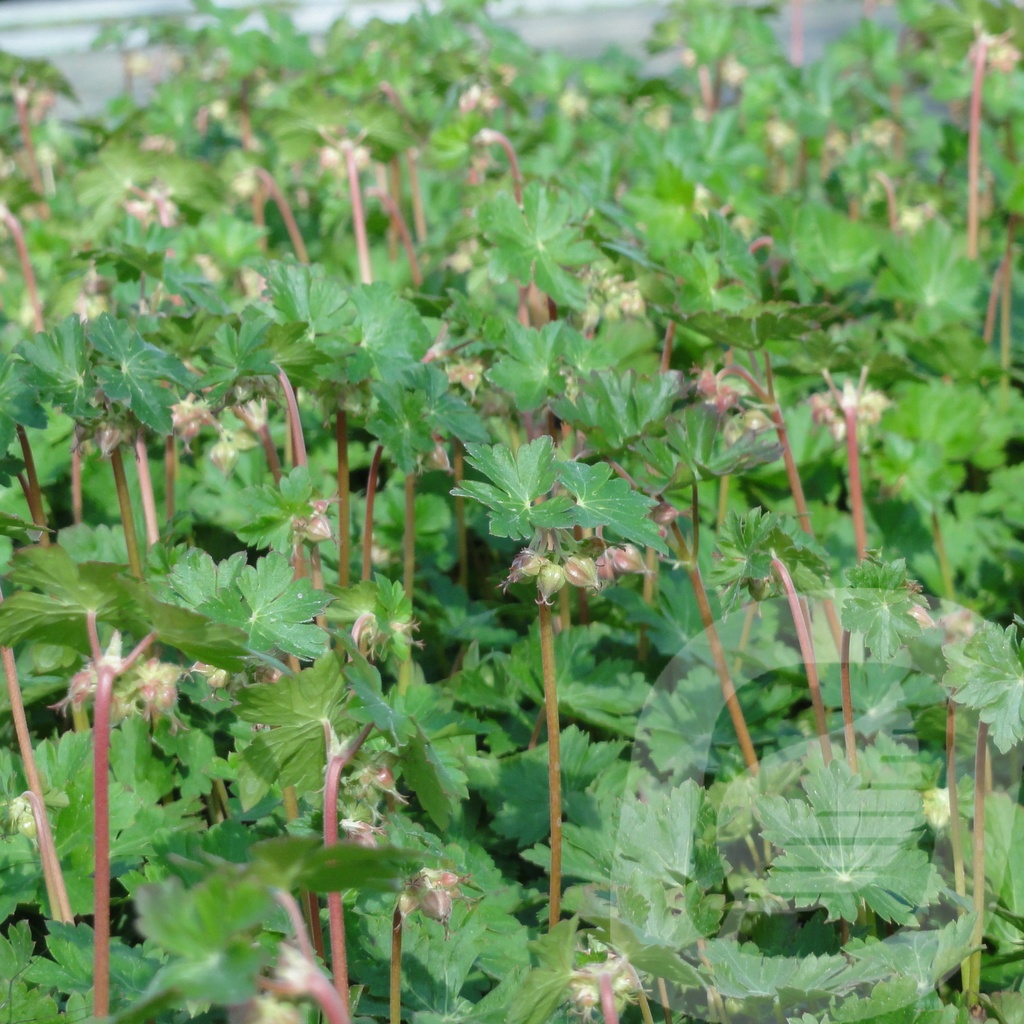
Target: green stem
547	653
732	703
956	840
807	653
978	865
948	586
344	499
131	538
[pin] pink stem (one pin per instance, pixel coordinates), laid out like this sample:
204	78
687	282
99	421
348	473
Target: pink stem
358	215
14	226
488	136
146	489
298	441
608	1010
807	652
286	213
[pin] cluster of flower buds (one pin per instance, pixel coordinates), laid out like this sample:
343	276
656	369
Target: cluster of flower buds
463	258
216	678
479	97
432	892
468	374
21	818
313	528
83	683
585	983
867	405
612	298
361	833
750	421
373	781
573	105
188	417
224	452
619	561
714	390
936	807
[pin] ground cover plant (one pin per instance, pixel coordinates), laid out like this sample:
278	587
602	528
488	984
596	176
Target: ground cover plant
489	537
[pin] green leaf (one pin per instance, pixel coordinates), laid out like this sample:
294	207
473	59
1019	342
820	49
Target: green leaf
846	844
436	786
546	987
604	501
60	368
881	606
754	327
746	547
517	481
535	362
986	672
536	242
138	372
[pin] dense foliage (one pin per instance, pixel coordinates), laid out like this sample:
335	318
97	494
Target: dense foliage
489	537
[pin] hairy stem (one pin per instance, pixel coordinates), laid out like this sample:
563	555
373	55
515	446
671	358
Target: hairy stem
807	653
371	494
124	501
978	865
608	1010
344	498
844	678
547	654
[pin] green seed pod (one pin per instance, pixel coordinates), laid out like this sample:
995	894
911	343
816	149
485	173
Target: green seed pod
550	581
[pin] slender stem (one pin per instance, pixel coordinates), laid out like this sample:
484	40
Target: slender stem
723	500
14	226
21	729
461	535
663	999
21	98
978	865
807	652
358	216
76	481
608	1010
547	654
1006	317
948	586
396	968
419	219
344	498
294	235
389	204
844	677
170	475
371	494
956	840
258	203
979	52
489	137
298	441
409	536
56	890
890	199
732	703
335	911
643	643
34	494
666	347
146	490
127	516
645	1007
856	488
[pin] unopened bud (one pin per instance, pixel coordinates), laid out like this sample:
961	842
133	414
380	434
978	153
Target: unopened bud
756	421
936	807
581	571
550	581
628	559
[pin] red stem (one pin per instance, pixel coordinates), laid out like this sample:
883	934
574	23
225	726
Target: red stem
608	1010
807	652
344	498
294	235
371	494
14	226
844	678
358	215
295	424
856	489
489	136
666	348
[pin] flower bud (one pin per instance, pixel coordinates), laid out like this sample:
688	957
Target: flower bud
550	581
437	905
216	678
627	559
581	571
360	833
936	807
756	421
19	813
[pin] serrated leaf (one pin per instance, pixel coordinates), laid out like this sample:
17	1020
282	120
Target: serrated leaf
271	510
846	844
881	606
530	368
137	374
59	367
546	987
517	481
602	500
986	672
536	242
